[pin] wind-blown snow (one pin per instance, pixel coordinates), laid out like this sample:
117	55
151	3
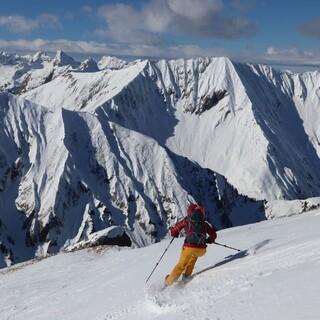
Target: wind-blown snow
275	277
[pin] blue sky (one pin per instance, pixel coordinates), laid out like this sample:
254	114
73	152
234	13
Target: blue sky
279	32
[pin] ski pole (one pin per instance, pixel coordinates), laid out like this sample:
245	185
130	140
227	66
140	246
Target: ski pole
159	260
223	245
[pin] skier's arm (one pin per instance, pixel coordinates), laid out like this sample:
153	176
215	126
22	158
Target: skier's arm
211	232
175	230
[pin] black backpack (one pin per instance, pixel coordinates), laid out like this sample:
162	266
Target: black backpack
196	228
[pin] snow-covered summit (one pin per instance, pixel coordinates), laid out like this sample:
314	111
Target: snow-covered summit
22	73
113	63
8	59
62	59
247	122
15	59
89	65
40	57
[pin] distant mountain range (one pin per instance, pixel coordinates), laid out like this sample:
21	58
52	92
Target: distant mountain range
89	146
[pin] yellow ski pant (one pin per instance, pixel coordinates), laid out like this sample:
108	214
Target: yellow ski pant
186	263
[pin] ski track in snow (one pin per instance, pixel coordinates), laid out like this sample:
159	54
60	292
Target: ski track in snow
276	276
223	281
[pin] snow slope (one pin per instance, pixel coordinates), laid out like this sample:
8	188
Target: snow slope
244	124
22	73
250	123
275	277
114	63
83	150
66	175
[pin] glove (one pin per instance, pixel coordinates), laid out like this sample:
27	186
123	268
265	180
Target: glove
209	240
174	232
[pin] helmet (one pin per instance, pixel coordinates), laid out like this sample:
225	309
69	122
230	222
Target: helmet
193	206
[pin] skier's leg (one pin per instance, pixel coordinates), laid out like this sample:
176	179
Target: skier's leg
179	268
189	268
196	253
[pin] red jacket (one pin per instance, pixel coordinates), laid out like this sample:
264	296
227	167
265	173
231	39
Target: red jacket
175	230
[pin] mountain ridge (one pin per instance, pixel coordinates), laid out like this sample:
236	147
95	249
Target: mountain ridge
69	174
179	91
82	151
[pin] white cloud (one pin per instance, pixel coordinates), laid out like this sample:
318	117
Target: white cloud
200	18
17	23
125	25
92	47
291	55
157	17
47	20
195	9
273	55
53	45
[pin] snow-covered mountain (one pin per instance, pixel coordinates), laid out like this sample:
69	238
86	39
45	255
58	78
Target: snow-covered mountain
252	124
66	175
22	73
89	65
276	276
83	150
62	59
113	63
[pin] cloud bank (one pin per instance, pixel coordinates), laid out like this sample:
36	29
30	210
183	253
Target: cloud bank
273	55
162	29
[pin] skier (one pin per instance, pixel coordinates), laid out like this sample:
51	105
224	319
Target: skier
196	229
